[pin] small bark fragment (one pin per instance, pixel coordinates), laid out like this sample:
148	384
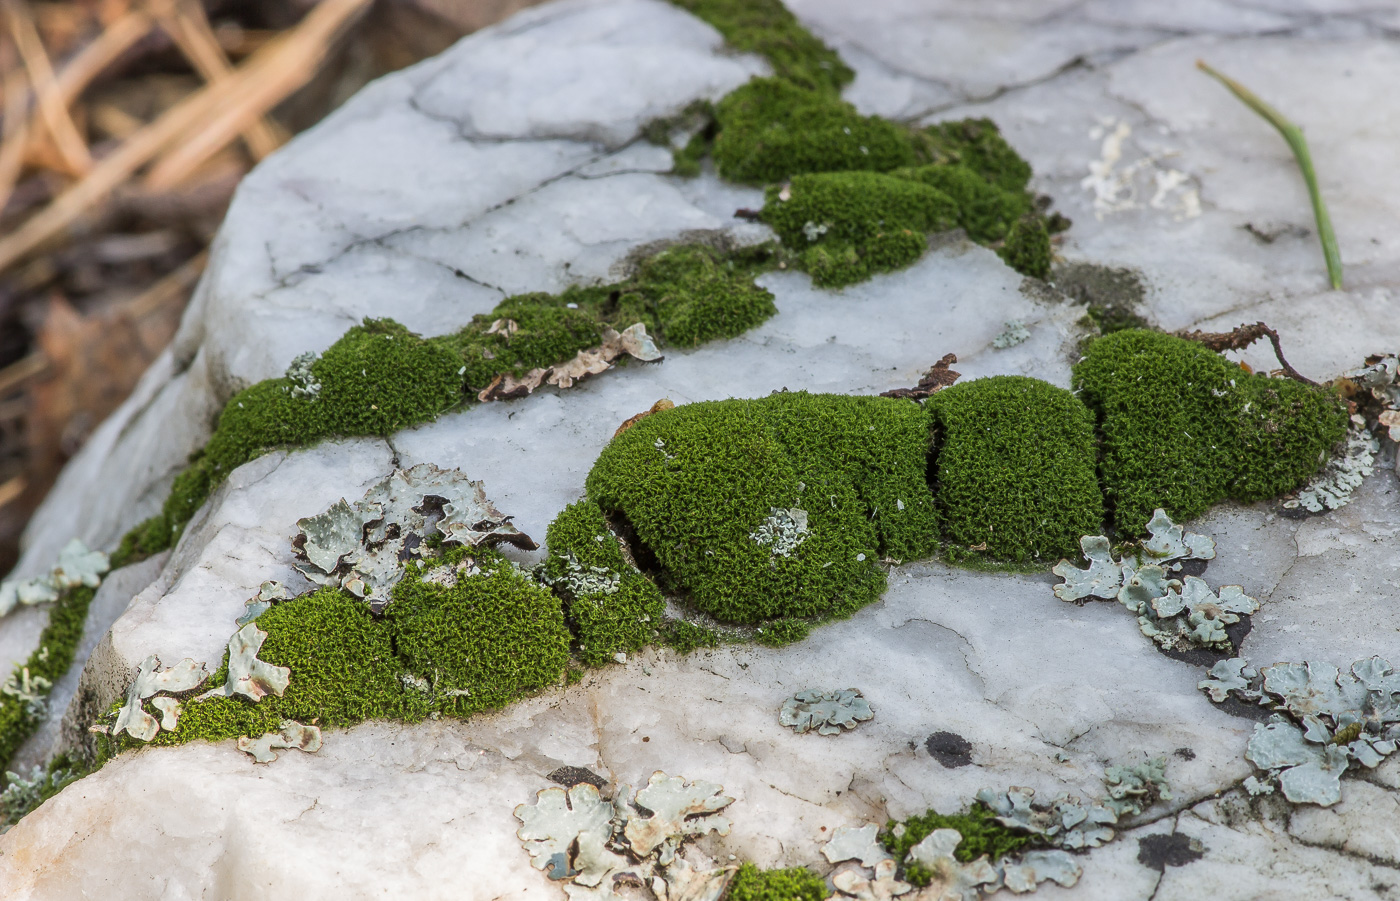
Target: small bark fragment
663	404
936	379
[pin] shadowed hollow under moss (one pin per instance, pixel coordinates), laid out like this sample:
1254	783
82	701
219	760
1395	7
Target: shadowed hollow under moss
1015	472
1183	428
700	483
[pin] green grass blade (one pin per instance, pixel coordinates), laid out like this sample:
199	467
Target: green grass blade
1294	136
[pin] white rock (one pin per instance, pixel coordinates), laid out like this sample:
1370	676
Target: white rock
439	190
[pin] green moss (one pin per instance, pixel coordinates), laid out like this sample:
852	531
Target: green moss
57	645
621	619
685	637
1183	428
697	482
1027	247
978	145
793	884
848	225
981	835
986	210
1015	468
771	129
497	635
767	28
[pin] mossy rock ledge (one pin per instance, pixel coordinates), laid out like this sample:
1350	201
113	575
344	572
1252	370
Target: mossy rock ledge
498	217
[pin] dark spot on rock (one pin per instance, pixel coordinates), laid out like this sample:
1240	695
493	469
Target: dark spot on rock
1185	753
1185	568
1113	296
569	776
949	749
1158	852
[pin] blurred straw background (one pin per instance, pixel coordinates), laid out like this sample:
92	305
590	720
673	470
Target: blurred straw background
127	124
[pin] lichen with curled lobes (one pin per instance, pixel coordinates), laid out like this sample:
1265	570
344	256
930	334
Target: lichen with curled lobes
1015	469
1183	428
696	482
622	620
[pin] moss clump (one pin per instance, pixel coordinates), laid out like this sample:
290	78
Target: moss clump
710	490
684	637
57	645
767	28
793	884
980	831
985	209
456	649
848	225
978	145
496	635
1027	247
612	606
380	377
771	129
1015	472
1183	428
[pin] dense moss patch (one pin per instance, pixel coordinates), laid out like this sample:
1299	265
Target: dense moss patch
848	225
1027	247
771	129
1015	471
985	210
792	884
767	28
981	835
380	378
1183	428
57	645
976	144
711	489
613	607
442	647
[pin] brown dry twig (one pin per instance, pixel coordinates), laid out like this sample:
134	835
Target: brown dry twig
1242	337
936	379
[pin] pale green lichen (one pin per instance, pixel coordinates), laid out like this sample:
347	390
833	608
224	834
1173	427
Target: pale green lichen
248	676
76	567
590	843
362	547
828	712
1333	487
1178	615
1132	788
859	843
290	735
1014	333
1065	820
150	680
300	374
1324	721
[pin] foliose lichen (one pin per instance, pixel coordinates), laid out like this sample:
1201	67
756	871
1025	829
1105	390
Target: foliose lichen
1332	488
593	844
828	712
1323	721
1177	614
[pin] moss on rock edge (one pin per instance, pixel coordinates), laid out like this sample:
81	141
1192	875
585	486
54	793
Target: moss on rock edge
1183	428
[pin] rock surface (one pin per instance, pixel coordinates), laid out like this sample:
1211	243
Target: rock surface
512	163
